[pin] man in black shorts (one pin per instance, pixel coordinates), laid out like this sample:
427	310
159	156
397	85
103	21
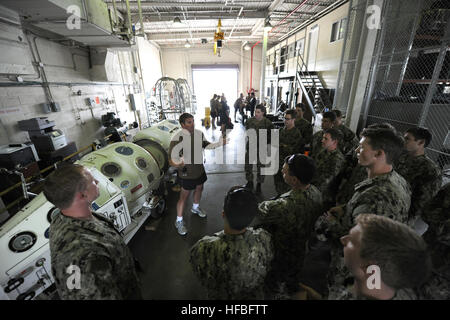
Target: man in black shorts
187	157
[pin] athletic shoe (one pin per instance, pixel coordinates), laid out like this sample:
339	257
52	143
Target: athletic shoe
199	211
180	227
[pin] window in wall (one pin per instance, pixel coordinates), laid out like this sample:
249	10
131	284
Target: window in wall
338	29
291	50
283	58
275	62
334	31
342	28
299	47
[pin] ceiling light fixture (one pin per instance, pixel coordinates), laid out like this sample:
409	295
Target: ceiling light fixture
247	47
177	21
187	44
267	26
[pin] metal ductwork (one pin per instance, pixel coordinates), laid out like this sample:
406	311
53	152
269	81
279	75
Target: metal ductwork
87	22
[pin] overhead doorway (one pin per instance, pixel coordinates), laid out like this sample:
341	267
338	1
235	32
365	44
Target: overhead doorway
215	79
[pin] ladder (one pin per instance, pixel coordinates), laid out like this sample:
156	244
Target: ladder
312	87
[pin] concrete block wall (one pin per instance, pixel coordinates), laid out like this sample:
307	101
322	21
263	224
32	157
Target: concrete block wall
68	68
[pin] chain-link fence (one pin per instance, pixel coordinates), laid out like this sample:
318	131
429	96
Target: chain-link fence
409	82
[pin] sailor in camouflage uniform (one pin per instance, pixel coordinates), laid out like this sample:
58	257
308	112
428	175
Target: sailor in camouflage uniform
384	192
436	214
233	263
290	143
290	219
397	250
327	123
329	163
349	139
423	175
258	122
86	242
354	172
303	125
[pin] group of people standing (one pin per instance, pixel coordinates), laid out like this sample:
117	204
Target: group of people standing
221	111
360	197
245	105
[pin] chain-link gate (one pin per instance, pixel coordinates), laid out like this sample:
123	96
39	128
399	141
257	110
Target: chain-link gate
410	72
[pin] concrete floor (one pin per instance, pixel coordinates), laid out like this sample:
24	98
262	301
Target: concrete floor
164	254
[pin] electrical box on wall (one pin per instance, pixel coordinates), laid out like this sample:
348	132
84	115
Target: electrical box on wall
55	107
90	102
46	108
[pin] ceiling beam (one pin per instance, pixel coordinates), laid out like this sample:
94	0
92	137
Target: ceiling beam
152	30
278	12
257	26
153	4
315	3
163	16
197	36
180	12
275	4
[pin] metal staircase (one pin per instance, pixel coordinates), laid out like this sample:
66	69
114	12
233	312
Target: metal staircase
312	87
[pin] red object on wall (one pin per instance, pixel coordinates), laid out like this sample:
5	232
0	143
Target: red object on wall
97	100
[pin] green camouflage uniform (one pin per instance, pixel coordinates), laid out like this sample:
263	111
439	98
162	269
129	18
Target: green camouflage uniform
328	166
233	266
388	195
106	264
352	174
306	130
290	219
346	293
424	177
437	215
252	123
316	144
290	143
349	142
